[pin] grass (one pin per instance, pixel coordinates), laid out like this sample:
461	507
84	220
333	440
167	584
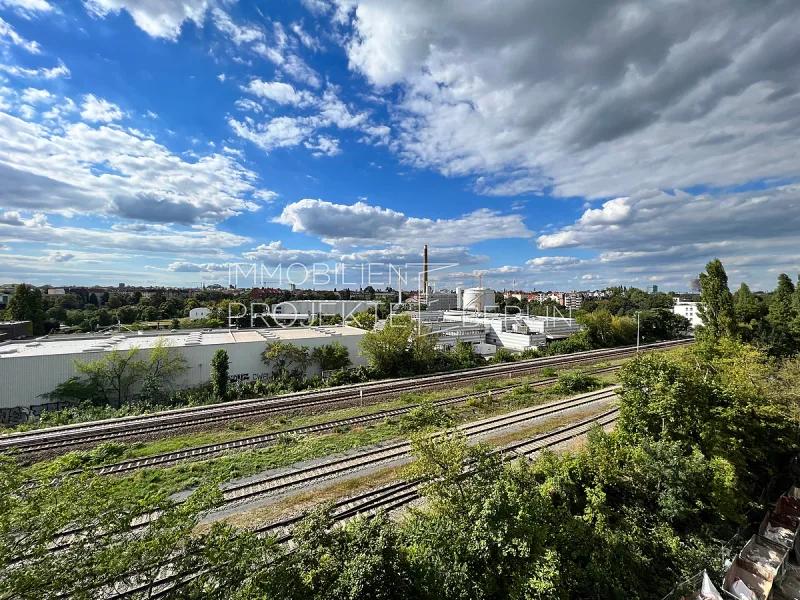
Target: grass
292	449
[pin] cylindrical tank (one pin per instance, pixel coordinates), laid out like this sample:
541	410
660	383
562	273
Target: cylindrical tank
478	299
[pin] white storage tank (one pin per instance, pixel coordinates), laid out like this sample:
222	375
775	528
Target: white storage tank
479	299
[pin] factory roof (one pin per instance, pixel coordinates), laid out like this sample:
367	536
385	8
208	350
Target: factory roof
78	344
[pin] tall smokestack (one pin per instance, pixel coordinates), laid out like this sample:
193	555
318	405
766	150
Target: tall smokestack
425	271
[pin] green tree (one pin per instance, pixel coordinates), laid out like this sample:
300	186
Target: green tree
32	516
26	304
747	306
126	314
163	366
288	362
219	374
784	337
332	357
716	304
400	348
364	320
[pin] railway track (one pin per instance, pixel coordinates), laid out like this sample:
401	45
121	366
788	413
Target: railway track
281	482
256	441
65	438
385	498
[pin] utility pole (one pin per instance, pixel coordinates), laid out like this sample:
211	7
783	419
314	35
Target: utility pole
637	332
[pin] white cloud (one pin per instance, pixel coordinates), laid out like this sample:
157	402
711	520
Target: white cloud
598	102
276	252
71	167
162	19
245	104
97	109
8	35
279	92
41	73
317	7
27	8
267	196
361	225
324	146
57	256
239	34
308	40
33	96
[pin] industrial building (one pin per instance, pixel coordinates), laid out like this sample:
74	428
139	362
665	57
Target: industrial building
479	299
494	330
33	368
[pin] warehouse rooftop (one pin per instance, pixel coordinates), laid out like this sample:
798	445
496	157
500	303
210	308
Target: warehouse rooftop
78	344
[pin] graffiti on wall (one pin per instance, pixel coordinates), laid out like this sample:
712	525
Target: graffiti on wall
11	417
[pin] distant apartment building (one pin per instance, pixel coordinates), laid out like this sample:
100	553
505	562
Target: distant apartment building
652	289
690	310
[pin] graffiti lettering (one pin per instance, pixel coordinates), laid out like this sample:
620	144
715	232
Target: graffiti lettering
11	417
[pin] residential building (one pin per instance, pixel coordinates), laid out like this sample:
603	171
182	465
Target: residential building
690	310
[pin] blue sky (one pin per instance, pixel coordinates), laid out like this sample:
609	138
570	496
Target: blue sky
544	145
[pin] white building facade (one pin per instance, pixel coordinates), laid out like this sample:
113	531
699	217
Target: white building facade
690	310
28	370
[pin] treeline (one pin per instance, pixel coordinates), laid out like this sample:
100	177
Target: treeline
769	321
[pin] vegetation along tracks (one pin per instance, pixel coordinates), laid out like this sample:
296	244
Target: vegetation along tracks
65	438
386	498
256	441
337	466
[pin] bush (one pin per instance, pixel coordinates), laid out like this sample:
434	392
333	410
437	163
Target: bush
548	372
425	416
577	382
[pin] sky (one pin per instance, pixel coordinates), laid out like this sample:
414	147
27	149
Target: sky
544	144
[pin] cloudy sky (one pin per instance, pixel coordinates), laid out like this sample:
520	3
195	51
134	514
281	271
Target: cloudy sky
546	143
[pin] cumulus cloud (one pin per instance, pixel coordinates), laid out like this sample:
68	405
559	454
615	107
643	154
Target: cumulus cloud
360	224
98	109
656	220
162	19
57	257
279	92
323	146
596	101
71	167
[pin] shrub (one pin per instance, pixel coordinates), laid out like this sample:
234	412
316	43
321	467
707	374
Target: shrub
577	382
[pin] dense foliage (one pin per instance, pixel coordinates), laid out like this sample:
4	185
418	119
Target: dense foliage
703	433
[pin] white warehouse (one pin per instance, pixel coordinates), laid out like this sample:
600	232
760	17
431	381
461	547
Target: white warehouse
30	369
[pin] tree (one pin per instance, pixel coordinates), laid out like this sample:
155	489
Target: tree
93	299
32	516
26	304
219	374
164	365
784	337
716	304
364	320
288	362
747	307
332	357
114	375
369	292
400	348
126	314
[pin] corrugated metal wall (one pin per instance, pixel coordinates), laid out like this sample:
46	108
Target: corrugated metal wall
23	379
